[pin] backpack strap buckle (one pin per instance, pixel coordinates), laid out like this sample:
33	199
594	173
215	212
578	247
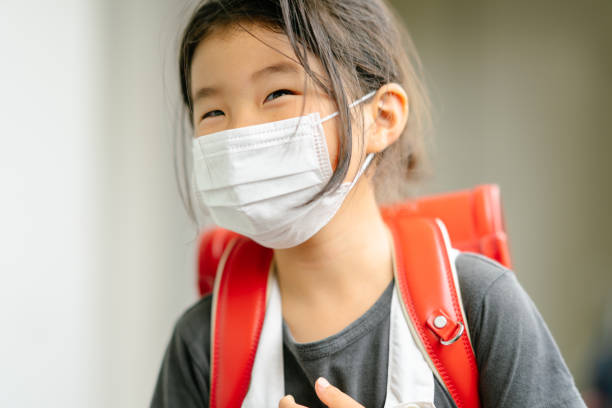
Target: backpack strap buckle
454	339
447	329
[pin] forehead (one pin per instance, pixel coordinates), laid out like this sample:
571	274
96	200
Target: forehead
229	55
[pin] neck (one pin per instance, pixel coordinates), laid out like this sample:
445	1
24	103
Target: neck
344	267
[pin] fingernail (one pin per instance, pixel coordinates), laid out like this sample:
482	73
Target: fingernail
322	383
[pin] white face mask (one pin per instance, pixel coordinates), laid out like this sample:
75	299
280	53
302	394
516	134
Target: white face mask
256	180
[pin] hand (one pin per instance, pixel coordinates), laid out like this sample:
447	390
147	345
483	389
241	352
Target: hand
327	393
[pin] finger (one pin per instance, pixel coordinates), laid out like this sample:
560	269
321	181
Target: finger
288	402
333	397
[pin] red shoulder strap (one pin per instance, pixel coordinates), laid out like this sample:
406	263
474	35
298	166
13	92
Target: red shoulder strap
428	291
239	306
429	295
212	246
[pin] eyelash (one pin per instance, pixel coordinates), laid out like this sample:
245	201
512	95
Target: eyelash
284	91
207	114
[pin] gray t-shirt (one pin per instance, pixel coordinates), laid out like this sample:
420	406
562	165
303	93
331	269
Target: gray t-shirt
518	360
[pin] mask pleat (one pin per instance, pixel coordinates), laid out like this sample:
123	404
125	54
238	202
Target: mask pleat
249	193
230	166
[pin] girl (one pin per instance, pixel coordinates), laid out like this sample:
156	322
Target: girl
305	115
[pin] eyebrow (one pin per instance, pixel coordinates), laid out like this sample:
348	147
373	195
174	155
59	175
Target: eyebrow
204	92
281	67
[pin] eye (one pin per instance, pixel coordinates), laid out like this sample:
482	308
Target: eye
278	94
212	113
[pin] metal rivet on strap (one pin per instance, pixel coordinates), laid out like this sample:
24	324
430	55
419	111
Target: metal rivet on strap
440	322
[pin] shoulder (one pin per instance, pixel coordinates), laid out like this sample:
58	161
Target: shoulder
477	273
196	313
517	357
184	373
492	297
479	276
193	328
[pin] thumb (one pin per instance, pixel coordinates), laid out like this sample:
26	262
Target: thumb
333	397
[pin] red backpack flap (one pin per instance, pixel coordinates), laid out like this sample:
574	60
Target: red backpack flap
239	307
430	298
474	219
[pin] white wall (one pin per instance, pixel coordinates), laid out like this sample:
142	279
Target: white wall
97	257
48	204
147	260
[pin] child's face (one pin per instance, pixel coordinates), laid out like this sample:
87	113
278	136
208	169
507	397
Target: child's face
238	80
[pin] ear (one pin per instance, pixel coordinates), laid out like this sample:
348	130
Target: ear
388	113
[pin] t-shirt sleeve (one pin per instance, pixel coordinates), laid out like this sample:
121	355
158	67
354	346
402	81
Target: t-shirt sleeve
519	362
183	377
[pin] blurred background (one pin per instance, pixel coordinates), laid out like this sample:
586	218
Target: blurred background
97	254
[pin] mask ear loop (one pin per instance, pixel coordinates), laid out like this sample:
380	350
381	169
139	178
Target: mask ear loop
357	102
364	167
369	157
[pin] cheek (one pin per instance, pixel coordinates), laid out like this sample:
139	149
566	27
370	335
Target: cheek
331	137
331	129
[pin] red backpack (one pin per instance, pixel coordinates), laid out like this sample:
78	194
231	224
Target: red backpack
423	230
